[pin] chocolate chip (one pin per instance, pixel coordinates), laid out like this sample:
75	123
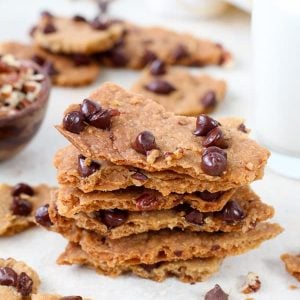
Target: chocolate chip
159	86
42	216
178	253
139	176
78	18
112	217
8	277
24	285
21	207
49	28
242	128
49	68
85	169
74	122
46	14
89	108
38	59
195	217
209	100
180	52
214	161
215	138
151	267
144	142
118	57
81	59
204	124
99	24
101	119
216	294
157	67
148	57
146	201
22	188
71	298
207	196
232	211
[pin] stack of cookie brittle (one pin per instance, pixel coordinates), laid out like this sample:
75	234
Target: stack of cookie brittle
145	191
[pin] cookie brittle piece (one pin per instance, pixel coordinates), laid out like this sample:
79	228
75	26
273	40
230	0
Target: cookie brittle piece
18	281
110	177
163	245
70	201
292	264
141	45
192	270
64	70
187	94
240	214
145	136
66	35
18	204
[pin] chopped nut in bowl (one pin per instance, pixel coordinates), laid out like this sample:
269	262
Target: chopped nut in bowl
24	93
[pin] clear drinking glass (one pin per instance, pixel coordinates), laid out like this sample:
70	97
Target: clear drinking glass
276	46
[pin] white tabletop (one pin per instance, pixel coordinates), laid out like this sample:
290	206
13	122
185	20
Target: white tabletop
40	248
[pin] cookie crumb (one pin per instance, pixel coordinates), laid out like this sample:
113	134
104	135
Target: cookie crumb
252	283
152	156
293	287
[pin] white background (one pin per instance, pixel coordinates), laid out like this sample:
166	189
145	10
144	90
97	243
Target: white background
40	248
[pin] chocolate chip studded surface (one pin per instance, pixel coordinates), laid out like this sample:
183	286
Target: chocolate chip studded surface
137	114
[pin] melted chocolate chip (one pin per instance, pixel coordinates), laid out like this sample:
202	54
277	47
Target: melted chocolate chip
22	188
146	202
215	138
204	124
89	108
78	18
85	170
214	161
118	57
195	217
157	67
139	176
42	216
242	128
38	59
49	28
144	142
81	59
71	298
216	294
180	52
101	119
113	217
49	68
8	277
209	100
74	122
158	86
232	211
207	196
24	285
148	57
21	207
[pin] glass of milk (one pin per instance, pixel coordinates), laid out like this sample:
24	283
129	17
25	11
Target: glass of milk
276	45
